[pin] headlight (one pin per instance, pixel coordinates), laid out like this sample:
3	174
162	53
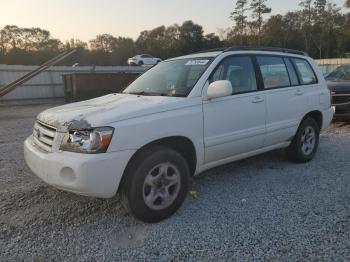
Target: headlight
88	141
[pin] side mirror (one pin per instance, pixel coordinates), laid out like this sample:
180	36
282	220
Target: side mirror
219	88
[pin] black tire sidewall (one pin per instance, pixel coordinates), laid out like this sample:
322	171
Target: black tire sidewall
308	122
136	177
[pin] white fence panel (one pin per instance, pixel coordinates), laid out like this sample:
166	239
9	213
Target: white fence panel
329	65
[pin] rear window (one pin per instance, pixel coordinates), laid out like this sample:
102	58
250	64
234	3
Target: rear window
306	74
341	73
274	72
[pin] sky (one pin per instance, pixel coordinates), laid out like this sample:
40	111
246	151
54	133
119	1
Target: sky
84	19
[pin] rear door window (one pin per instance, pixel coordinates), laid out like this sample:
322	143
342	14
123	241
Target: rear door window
306	74
274	72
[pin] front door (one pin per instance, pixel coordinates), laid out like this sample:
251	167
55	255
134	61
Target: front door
235	124
149	60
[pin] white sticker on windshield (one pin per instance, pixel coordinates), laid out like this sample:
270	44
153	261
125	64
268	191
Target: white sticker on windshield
197	62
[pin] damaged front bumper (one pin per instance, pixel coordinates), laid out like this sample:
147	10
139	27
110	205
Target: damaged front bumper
96	175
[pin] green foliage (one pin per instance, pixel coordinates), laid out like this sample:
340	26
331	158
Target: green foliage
190	37
34	45
259	8
239	15
319	27
27	46
161	41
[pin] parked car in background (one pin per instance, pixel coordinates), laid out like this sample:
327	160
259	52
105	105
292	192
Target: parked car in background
338	82
143	60
180	118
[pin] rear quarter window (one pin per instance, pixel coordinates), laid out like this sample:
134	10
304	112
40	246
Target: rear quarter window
305	71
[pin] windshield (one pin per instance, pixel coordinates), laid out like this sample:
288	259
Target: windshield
170	78
341	73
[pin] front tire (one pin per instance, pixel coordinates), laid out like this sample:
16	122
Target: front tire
305	143
156	184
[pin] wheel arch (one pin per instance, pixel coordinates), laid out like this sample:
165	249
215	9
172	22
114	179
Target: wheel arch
181	144
317	116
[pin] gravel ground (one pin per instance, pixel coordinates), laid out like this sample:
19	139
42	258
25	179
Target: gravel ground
262	208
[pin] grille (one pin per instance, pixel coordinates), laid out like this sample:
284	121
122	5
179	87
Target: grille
44	136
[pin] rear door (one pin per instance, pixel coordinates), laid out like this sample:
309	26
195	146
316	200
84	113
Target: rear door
234	124
286	102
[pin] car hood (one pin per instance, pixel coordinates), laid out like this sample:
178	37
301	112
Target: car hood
337	86
106	110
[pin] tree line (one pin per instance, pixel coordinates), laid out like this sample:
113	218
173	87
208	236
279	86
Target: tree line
319	27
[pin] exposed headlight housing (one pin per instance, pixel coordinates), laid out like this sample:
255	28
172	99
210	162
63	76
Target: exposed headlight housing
92	141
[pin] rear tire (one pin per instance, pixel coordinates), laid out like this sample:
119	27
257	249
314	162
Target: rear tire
305	143
156	184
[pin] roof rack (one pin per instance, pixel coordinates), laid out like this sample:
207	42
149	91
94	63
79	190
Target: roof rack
254	48
221	49
264	48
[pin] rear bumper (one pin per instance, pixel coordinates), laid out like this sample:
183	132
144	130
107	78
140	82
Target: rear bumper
95	175
327	117
341	102
342	112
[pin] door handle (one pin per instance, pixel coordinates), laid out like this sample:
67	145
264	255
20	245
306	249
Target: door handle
299	92
257	99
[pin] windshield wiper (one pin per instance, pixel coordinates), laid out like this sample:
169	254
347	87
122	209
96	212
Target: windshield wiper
179	95
143	93
164	94
157	94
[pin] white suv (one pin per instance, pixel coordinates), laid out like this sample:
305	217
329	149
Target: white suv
145	59
183	116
